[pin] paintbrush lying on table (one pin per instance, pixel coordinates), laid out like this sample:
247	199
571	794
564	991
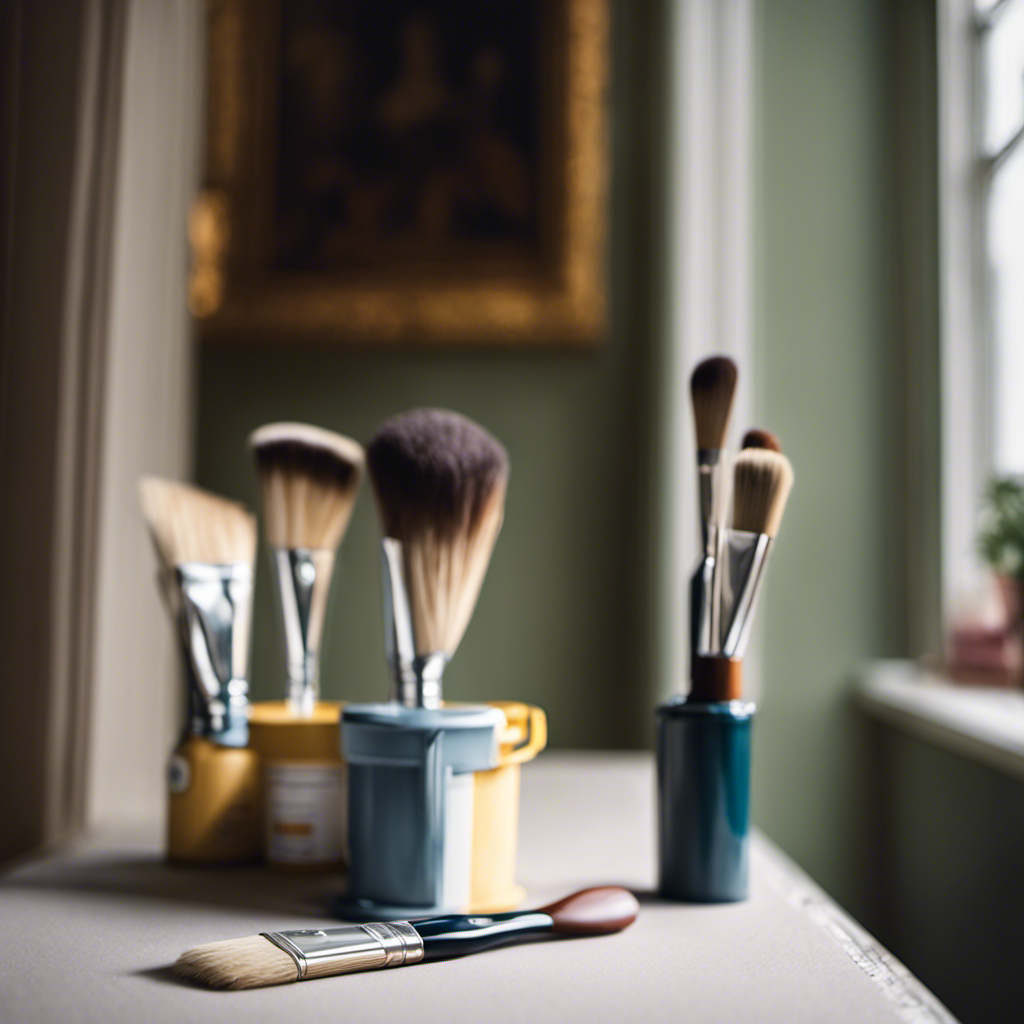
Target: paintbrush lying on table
274	958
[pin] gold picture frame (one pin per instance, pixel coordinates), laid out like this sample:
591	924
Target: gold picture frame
548	291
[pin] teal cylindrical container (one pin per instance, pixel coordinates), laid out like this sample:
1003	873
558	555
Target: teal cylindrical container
704	799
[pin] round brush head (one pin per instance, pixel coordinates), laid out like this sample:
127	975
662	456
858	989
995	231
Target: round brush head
434	471
440	481
712	387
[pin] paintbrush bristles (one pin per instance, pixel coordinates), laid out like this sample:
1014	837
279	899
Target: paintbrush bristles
712	386
762	480
756	438
191	525
237	963
309	480
440	483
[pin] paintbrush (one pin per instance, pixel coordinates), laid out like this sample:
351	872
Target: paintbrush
762	480
439	481
712	388
206	547
276	958
309	481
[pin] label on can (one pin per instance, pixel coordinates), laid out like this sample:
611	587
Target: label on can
306	805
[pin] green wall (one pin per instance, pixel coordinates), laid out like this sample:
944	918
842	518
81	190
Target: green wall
564	616
560	620
846	355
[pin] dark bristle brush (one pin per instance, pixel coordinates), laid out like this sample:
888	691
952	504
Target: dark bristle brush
275	958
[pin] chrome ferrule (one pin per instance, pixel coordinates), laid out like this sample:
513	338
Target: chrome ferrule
708	475
363	947
302	582
215	616
701	594
416	680
745	556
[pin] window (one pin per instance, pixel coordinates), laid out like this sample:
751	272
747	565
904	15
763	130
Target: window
981	213
1000	129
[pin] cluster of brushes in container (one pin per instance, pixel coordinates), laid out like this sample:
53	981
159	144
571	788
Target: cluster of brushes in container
726	584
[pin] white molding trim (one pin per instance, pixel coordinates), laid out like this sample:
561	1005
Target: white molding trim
709	255
967	428
148	397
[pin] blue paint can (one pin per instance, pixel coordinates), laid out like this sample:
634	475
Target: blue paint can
703	752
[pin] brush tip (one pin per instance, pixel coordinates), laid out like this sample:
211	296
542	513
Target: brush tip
251	962
713	373
434	469
762	480
712	387
280	438
309	478
188	524
757	438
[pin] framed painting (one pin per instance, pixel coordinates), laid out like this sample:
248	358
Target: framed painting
414	171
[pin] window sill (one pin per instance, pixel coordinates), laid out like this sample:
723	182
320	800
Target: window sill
983	724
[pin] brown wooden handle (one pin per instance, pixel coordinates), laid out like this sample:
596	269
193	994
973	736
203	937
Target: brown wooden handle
597	911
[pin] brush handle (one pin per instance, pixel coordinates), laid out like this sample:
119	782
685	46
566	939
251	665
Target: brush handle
598	911
461	934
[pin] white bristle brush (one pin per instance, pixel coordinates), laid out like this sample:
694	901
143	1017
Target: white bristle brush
206	546
309	481
762	481
189	525
276	958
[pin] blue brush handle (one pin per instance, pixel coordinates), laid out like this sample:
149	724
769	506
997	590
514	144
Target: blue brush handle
459	934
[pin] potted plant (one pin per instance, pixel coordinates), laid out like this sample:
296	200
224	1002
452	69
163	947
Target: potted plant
1001	536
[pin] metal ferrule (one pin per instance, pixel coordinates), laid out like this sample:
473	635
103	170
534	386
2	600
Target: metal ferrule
416	680
708	475
215	615
303	582
364	947
701	593
745	556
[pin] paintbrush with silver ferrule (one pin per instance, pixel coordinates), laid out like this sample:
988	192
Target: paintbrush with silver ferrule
762	480
277	958
309	481
712	388
440	480
206	546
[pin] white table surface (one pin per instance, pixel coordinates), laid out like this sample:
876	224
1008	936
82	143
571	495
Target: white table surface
88	934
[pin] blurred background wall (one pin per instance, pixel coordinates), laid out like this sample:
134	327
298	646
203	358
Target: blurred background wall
565	615
562	619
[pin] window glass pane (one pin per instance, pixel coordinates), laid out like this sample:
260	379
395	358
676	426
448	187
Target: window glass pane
1003	77
1006	253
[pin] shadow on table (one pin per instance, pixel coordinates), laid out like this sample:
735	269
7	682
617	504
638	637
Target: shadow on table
165	975
154	879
